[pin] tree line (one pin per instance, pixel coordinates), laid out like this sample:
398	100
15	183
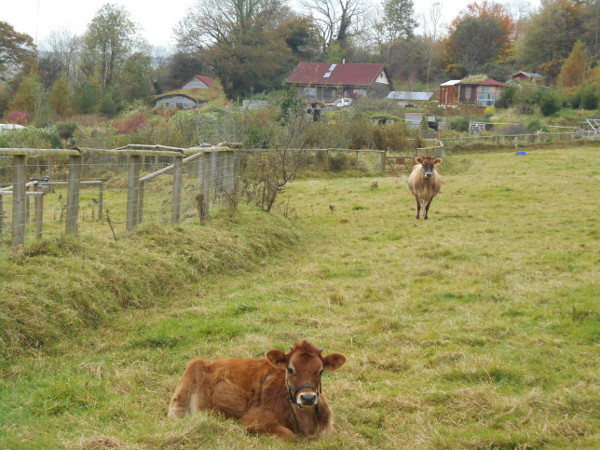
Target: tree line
251	46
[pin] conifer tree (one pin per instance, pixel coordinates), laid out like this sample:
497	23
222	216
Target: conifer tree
59	97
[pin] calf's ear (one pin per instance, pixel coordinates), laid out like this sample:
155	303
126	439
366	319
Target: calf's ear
437	161
333	361
277	358
419	160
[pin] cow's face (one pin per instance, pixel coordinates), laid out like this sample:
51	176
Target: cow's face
428	164
304	366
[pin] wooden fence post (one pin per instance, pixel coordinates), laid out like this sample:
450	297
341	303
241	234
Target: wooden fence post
73	194
27	204
39	213
140	205
177	187
100	200
382	157
213	173
133	184
18	219
1	214
206	177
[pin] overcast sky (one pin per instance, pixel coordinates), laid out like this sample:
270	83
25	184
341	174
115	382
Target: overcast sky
156	20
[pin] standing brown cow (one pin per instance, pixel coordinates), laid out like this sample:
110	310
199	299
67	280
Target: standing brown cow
424	182
280	394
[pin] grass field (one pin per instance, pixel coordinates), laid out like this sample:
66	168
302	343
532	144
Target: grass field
479	328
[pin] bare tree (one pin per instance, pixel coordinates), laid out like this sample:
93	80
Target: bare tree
335	19
520	10
270	171
431	28
211	22
65	48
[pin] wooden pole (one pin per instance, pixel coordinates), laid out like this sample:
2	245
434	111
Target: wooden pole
206	177
1	214
133	184
382	161
233	164
100	199
18	219
39	213
141	202
177	188
213	172
73	194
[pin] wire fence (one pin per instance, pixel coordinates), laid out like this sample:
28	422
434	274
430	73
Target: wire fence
45	193
511	139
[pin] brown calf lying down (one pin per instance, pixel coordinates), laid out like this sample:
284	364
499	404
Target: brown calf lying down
280	394
424	182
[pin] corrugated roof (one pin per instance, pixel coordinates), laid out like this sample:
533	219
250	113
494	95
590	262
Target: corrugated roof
407	95
311	73
529	74
450	83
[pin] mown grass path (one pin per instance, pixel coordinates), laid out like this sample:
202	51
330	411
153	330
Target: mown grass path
479	328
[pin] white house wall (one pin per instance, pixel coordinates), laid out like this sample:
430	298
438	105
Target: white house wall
382	78
195	84
176	102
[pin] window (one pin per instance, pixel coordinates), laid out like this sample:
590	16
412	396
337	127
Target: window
485	97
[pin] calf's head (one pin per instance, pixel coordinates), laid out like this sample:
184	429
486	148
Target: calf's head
428	164
304	366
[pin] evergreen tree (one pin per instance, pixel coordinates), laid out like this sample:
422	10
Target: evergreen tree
59	97
572	72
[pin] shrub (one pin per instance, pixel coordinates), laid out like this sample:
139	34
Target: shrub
507	98
460	123
132	125
31	137
66	130
586	97
18	117
536	125
549	104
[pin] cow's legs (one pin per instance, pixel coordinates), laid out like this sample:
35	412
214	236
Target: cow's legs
418	208
180	402
186	398
259	421
427	209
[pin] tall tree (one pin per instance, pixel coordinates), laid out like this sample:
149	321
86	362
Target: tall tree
250	45
136	77
63	49
17	51
480	34
60	95
335	19
475	42
108	42
551	35
572	73
431	29
399	19
590	13
29	95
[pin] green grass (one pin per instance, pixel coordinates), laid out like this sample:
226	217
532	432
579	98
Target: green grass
479	328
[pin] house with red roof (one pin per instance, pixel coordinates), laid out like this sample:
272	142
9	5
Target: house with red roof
193	93
475	90
199	82
328	81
